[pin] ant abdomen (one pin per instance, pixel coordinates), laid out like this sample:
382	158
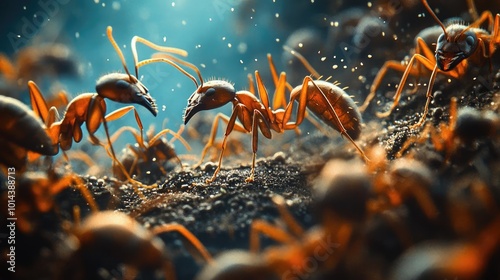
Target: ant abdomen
344	106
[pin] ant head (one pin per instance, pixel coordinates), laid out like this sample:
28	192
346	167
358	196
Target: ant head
455	45
210	95
125	88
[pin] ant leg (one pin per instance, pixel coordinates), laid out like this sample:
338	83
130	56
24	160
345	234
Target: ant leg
155	138
272	67
213	134
495	34
7	69
115	160
52	117
176	135
391	64
193	240
429	97
231	124
133	166
264	126
130	129
304	62
120	113
251	85
279	99
415	58
342	129
450	130
494	40
138	136
302	107
38	103
472	10
486	17
276	233
59	99
422	50
78	155
95	116
69	180
424	135
281	85
287	217
442	139
264	96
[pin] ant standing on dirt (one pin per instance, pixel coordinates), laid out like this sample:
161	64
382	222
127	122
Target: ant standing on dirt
458	46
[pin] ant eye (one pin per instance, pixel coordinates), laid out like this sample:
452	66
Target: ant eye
470	40
122	84
441	38
210	91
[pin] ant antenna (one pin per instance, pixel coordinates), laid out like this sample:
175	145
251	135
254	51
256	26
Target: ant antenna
435	18
154	46
304	61
180	61
109	32
170	60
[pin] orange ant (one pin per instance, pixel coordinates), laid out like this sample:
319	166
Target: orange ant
107	239
455	48
89	108
326	100
21	132
398	181
463	127
37	192
33	62
153	153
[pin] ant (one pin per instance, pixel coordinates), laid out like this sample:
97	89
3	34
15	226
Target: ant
400	182
448	138
107	239
456	47
89	108
21	132
34	62
151	154
326	100
37	193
